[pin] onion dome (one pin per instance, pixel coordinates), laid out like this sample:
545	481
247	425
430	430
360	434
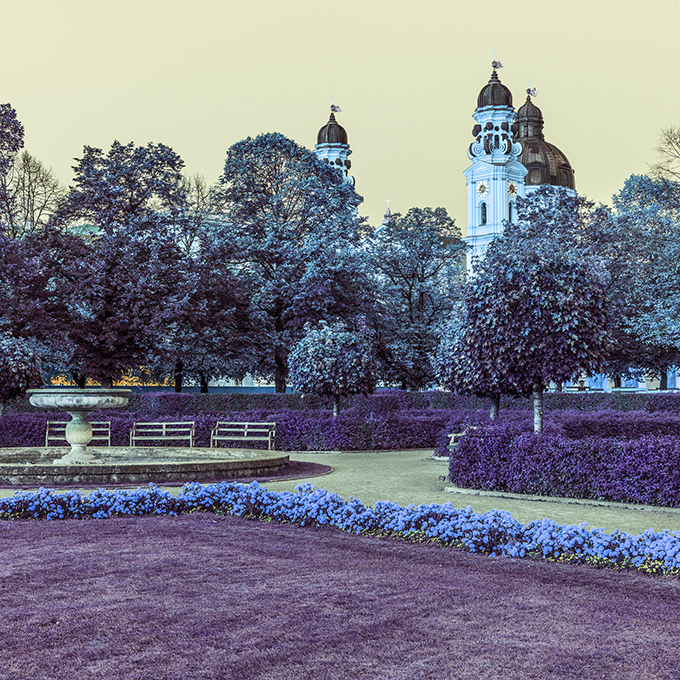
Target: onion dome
544	162
494	93
332	133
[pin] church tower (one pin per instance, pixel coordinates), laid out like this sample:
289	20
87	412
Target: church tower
332	147
496	177
545	163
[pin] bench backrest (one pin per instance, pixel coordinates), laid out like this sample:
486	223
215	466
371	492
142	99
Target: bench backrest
164	428
244	429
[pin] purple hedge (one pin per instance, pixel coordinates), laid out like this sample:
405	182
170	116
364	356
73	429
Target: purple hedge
295	431
384	401
503	457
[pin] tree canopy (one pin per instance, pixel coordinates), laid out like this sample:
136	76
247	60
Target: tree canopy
535	307
334	361
418	264
290	229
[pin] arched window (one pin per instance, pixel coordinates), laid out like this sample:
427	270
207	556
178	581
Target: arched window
482	213
510	211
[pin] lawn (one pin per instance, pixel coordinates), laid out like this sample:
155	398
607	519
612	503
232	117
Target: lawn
222	597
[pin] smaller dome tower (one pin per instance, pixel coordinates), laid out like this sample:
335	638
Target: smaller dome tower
544	162
332	147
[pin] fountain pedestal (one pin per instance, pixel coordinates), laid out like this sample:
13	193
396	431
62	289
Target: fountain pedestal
78	404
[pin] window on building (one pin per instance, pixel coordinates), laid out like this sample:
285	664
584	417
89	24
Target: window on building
510	212
482	213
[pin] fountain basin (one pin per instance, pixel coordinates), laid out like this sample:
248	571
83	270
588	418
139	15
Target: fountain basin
32	466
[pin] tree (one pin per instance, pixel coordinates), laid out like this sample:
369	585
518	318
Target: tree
29	195
331	360
11	142
668	165
419	264
112	294
648	210
535	306
19	369
290	228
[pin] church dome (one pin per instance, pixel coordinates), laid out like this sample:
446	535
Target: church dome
494	93
332	133
544	162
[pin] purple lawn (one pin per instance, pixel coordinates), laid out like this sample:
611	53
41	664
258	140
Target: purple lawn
204	596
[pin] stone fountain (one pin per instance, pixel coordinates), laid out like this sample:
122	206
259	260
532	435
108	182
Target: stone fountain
28	467
78	403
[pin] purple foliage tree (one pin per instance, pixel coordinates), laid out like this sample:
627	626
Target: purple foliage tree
418	261
331	360
535	308
19	369
114	290
290	229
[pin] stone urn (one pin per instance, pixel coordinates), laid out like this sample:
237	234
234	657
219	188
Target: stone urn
78	404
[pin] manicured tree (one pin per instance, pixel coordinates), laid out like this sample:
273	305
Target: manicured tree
535	306
333	361
290	229
19	369
419	263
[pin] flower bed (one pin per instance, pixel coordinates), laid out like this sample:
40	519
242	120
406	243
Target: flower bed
493	533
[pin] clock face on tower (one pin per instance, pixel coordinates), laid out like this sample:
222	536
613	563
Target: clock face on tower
512	189
483	188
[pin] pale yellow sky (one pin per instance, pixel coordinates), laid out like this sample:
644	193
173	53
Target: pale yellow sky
199	76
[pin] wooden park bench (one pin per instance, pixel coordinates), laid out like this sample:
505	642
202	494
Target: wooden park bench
226	431
163	432
56	431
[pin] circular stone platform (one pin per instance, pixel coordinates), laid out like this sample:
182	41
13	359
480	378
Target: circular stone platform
32	466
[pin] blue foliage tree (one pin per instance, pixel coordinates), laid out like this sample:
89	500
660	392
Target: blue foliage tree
20	369
418	262
333	361
291	231
535	308
11	142
648	215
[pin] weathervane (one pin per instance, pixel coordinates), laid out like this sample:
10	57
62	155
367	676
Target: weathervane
531	91
495	63
334	107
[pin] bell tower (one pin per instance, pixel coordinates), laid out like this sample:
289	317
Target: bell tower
496	177
332	147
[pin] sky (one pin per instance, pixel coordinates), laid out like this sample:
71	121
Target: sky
200	76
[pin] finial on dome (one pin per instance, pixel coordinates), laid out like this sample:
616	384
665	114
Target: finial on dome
531	92
496	65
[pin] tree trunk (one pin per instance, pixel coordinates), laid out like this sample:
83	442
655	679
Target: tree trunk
179	375
336	405
538	405
559	387
495	406
107	383
79	380
203	381
663	379
617	380
280	376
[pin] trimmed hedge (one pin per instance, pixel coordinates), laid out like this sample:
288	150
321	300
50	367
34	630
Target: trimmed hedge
189	403
509	457
295	430
492	533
